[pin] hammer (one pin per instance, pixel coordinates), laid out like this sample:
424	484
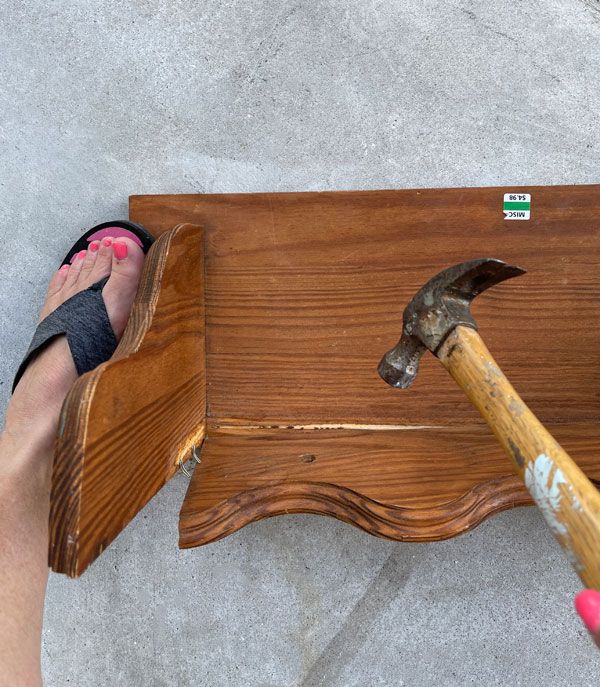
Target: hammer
438	318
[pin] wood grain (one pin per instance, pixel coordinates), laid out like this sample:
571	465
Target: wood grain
569	502
405	484
125	425
305	291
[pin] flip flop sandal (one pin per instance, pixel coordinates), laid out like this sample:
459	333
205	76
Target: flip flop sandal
118	229
83	318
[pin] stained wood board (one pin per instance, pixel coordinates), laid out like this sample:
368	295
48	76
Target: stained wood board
304	293
411	485
126	425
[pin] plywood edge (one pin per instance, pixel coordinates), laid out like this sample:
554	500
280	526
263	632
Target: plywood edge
112	454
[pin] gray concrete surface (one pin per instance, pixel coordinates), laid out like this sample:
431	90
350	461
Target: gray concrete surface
99	100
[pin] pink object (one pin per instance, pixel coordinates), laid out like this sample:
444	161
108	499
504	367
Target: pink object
120	250
81	254
64	268
115	232
587	604
106	242
94	246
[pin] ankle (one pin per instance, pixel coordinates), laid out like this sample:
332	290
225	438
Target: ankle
29	451
30	426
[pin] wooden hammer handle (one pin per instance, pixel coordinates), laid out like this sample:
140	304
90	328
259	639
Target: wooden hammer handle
568	500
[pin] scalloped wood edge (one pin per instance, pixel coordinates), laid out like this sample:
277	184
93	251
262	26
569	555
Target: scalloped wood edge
389	522
148	404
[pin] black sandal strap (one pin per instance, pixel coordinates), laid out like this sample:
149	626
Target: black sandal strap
84	321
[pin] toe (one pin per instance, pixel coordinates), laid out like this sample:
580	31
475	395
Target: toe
57	281
120	289
103	263
53	296
75	269
127	259
88	264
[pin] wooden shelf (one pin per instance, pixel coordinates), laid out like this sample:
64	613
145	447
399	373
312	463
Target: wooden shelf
297	296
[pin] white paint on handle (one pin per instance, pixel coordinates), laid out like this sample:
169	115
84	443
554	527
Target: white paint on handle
549	487
544	479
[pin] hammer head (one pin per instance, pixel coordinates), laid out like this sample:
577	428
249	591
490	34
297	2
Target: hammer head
436	309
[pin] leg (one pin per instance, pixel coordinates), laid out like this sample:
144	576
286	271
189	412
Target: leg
26	449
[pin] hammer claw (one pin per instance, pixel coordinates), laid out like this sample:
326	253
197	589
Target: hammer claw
482	275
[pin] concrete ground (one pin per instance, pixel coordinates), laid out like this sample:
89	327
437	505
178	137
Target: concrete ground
99	100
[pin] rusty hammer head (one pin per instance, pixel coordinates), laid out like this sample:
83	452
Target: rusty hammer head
436	309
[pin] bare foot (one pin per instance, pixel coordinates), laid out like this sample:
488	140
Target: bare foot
36	403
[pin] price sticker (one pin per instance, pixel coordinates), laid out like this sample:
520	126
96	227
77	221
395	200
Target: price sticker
517	206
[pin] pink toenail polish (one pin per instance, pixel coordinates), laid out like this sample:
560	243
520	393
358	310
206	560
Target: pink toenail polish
120	250
81	254
106	242
64	268
94	245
